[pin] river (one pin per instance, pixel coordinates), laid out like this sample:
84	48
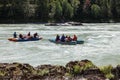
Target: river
102	44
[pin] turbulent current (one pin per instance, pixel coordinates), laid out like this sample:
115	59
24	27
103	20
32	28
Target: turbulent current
102	44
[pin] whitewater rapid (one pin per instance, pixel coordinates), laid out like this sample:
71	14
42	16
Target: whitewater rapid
102	44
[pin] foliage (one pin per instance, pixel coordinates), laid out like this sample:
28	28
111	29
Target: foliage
67	10
59	10
95	10
42	9
107	71
118	7
78	69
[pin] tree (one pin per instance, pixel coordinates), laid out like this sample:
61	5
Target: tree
52	8
3	8
67	10
15	9
42	10
95	9
113	9
75	4
28	9
58	11
118	7
105	8
86	6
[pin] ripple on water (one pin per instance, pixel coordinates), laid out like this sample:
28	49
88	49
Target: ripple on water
101	44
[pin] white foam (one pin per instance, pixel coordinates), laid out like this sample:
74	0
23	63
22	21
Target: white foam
101	44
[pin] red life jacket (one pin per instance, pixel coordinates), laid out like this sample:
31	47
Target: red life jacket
75	38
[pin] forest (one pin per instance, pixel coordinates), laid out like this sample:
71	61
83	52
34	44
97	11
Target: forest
19	11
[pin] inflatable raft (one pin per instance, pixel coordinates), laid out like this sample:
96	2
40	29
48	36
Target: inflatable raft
67	43
23	40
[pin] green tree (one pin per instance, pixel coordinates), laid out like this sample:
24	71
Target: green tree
95	9
28	9
58	11
67	10
15	9
42	10
52	7
105	8
118	7
75	4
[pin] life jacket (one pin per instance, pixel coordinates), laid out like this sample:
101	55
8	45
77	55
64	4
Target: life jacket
74	38
63	38
57	38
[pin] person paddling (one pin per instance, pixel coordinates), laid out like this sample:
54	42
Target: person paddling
21	36
74	38
15	35
28	34
69	38
35	35
57	38
62	38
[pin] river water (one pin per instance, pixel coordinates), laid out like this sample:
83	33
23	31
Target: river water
102	44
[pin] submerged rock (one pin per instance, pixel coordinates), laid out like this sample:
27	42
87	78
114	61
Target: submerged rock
75	23
51	24
64	24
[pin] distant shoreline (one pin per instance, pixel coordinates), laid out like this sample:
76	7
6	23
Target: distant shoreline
9	21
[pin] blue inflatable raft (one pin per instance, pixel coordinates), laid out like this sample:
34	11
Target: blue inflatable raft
67	43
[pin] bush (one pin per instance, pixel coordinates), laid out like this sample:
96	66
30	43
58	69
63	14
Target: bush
107	71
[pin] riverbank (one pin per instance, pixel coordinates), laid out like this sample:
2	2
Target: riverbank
74	70
36	21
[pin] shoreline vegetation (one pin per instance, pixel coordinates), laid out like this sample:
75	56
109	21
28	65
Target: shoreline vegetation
73	70
57	11
18	21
